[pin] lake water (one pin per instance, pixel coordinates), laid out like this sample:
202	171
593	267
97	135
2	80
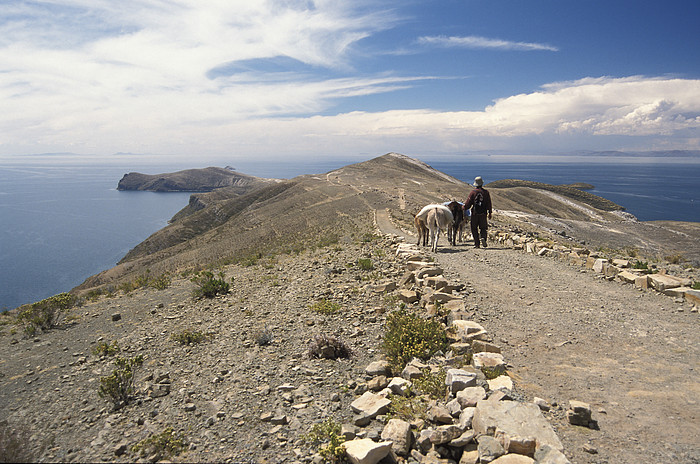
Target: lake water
62	224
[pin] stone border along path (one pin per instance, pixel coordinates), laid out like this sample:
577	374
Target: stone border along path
481	421
617	269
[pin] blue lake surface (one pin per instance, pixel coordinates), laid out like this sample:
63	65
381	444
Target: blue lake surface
61	224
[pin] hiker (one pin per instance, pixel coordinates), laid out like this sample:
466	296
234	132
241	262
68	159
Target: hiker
479	200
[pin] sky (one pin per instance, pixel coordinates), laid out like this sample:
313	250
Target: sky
311	79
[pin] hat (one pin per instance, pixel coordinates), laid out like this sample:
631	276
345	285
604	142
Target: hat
478	181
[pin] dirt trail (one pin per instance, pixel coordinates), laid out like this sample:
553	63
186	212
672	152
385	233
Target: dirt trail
633	355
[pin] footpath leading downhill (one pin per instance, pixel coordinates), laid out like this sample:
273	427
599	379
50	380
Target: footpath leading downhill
569	334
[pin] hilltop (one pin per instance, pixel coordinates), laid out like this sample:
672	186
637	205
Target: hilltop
250	391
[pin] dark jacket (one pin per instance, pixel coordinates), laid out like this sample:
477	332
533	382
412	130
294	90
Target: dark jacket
472	196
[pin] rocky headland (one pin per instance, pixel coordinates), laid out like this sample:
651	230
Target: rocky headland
571	338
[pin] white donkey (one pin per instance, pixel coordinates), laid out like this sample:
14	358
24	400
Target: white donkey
434	218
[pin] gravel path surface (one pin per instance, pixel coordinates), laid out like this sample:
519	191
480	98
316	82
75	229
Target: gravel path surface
569	334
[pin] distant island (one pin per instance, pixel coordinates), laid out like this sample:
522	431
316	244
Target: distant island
190	180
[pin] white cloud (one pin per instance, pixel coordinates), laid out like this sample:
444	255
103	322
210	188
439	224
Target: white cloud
160	77
477	42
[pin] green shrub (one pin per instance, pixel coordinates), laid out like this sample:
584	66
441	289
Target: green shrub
209	285
119	386
161	446
408	408
365	264
188	337
676	258
326	436
641	265
45	314
492	372
106	349
696	286
432	384
325	307
408	335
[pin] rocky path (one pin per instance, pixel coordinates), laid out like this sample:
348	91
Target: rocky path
569	334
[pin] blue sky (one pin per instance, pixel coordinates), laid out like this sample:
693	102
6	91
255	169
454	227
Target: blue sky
293	79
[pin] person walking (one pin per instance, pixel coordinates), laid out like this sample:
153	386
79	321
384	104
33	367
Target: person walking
479	201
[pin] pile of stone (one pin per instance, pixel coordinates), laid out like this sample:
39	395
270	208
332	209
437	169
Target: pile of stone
615	269
479	421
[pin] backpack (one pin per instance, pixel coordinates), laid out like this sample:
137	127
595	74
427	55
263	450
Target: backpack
479	203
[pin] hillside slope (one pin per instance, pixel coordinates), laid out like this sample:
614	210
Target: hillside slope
229	226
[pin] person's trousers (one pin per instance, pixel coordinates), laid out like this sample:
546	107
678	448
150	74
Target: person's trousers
480	225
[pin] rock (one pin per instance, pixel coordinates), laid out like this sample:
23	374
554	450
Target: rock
515	419
439	415
408	296
121	449
461	348
579	413
489	449
516	443
546	454
463	440
399	386
377	368
621	263
542	404
189	407
429	272
116	317
348	431
470	396
470	457
466	417
370	405
642	282
600	265
502	382
480	346
466	331
378	383
693	296
444	434
513	459
661	282
411	372
459	379
366	451
492	361
399	433
627	277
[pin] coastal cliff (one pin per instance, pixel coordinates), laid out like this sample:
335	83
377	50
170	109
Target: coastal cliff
190	180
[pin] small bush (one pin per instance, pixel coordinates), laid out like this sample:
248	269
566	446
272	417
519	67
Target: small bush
432	384
365	264
326	436
325	307
106	349
161	446
15	444
45	314
492	372
209	285
263	337
119	386
328	347
188	337
408	408
408	335
676	258
643	265
696	286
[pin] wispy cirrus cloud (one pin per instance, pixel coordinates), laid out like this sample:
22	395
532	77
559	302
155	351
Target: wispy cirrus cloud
477	42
